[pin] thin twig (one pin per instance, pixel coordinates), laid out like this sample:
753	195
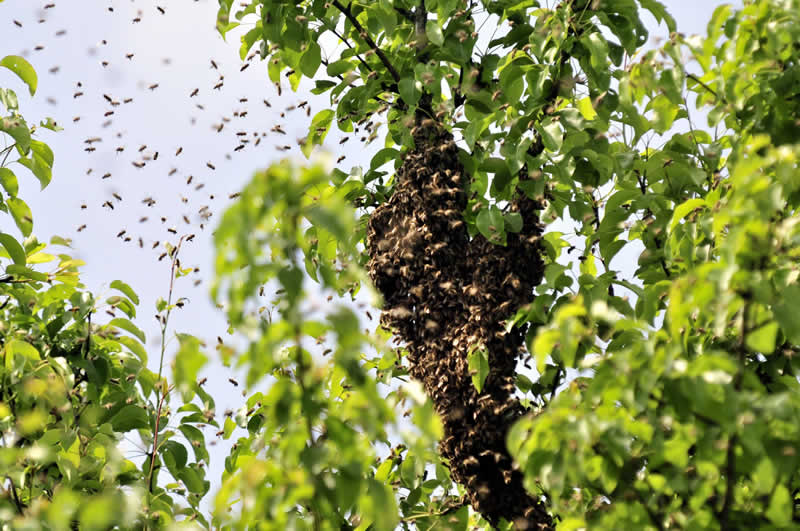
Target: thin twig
364	35
15	495
169	305
346	43
709	89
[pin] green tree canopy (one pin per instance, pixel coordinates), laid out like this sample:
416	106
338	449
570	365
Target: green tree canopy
542	393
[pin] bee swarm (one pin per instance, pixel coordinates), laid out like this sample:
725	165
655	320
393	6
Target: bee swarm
445	294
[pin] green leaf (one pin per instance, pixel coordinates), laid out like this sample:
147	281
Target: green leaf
13	248
9	99
195	436
25	272
550	131
322	86
128	326
98	513
192	479
490	223
9	182
762	339
21	214
50	124
339	68
17	347
478	361
682	210
177	453
23	69
126	289
410	91
40	163
382	157
513	221
130	417
188	362
786	313
780	506
586	108
310	60
318	130
135	347
16	127
434	32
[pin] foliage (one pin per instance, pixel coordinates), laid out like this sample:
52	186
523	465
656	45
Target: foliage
71	389
665	393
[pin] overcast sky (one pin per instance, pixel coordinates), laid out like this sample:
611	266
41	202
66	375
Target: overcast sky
85	56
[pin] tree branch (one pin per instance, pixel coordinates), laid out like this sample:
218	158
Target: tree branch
15	495
346	43
405	13
364	35
709	89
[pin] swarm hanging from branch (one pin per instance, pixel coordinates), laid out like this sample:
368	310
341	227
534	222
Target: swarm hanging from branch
446	294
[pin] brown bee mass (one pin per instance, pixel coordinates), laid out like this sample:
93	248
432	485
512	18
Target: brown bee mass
446	294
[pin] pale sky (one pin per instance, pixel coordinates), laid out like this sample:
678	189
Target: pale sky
173	50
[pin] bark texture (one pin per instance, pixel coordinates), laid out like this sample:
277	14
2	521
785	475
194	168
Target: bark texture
446	293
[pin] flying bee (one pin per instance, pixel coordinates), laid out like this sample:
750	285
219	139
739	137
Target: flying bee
82	227
117	196
121	233
194	93
179	151
211	166
153	86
